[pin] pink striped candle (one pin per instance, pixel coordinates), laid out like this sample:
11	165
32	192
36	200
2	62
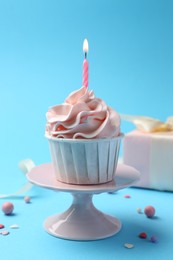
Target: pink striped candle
85	65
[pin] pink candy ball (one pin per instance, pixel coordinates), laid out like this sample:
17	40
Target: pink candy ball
149	211
27	199
7	208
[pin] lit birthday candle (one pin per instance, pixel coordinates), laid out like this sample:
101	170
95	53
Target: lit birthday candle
85	64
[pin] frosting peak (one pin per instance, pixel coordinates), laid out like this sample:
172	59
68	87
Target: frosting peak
81	95
82	116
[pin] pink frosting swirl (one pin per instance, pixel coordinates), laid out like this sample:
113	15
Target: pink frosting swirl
82	116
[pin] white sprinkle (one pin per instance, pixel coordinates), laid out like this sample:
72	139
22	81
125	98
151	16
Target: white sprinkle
5	232
139	210
14	226
129	246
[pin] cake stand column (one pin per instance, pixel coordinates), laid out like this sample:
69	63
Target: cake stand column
82	221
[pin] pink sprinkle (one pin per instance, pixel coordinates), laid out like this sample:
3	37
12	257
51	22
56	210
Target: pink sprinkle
127	196
1	226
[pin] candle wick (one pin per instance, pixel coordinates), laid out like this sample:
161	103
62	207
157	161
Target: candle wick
85	55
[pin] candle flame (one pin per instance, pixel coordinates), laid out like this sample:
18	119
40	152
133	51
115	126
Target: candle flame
85	46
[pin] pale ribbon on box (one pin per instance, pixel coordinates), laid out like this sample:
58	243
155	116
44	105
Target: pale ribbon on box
149	124
25	166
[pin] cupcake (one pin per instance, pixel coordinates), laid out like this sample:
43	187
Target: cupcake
84	138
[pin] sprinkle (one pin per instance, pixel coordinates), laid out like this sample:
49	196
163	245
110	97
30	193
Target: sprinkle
1	226
14	226
139	210
5	232
153	239
128	245
27	199
143	235
127	196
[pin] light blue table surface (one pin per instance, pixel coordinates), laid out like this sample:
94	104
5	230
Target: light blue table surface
130	67
31	241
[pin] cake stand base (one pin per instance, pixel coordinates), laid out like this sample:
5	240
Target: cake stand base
82	221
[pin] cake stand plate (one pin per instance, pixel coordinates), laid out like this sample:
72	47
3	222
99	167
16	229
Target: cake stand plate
82	221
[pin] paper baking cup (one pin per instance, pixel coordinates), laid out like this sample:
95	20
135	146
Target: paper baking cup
82	161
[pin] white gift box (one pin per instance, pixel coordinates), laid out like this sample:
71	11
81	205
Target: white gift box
152	155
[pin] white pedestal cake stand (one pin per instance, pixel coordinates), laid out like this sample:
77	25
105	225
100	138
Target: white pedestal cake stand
82	221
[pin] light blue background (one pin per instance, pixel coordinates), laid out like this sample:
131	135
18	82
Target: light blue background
131	68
